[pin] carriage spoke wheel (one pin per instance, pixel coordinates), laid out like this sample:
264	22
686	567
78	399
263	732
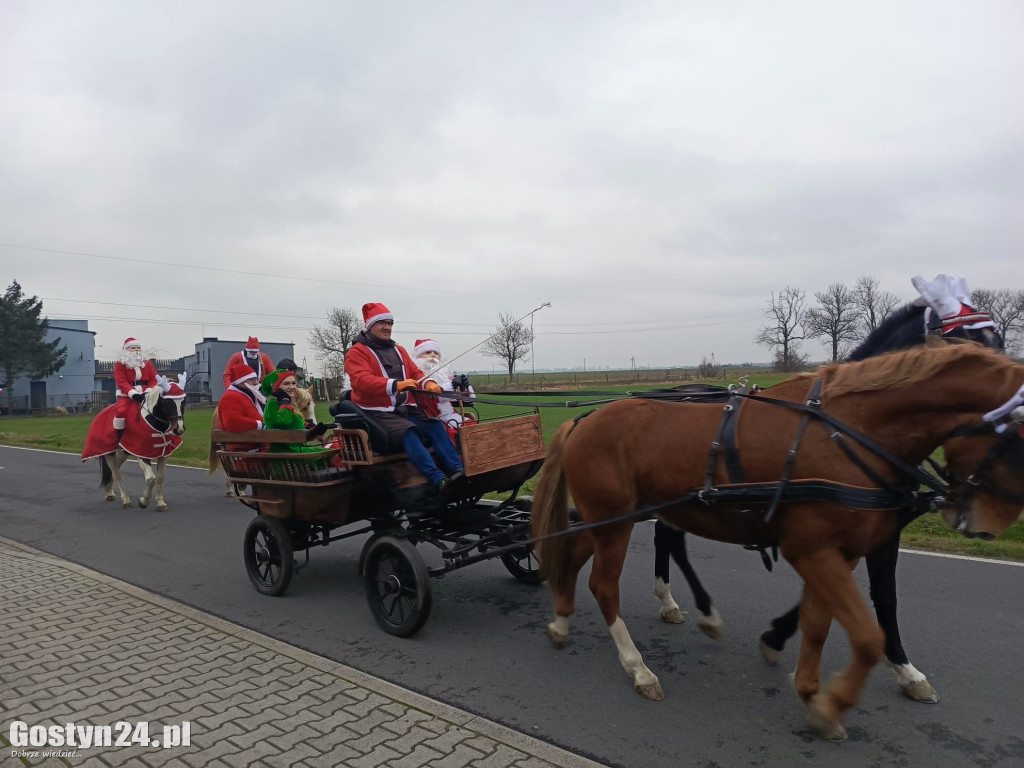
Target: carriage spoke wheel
397	585
523	565
268	553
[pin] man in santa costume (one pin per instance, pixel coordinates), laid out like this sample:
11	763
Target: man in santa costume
134	375
382	373
251	356
241	406
427	355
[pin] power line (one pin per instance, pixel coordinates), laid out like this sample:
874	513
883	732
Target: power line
248	273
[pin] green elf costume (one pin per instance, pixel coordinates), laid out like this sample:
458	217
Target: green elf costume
279	413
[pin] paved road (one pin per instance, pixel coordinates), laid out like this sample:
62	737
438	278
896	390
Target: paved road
484	649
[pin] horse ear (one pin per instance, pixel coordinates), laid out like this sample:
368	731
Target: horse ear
310	389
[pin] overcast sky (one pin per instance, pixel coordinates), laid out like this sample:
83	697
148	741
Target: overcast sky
655	170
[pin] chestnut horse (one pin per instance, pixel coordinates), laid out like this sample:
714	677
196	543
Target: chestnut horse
873	420
905	328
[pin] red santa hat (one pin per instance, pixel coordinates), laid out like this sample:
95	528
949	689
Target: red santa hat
240	372
374	312
252	345
425	345
131	341
174	392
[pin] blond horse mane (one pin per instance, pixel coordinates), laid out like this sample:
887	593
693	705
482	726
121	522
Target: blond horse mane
909	367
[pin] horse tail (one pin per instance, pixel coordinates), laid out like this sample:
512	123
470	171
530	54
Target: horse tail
549	513
106	477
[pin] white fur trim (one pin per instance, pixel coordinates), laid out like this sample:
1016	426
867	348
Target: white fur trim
246	377
119	423
377	318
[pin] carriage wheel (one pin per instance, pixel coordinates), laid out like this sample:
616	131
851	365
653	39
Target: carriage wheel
269	559
522	564
397	585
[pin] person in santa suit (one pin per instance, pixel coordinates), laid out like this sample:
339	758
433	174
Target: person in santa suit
427	355
241	407
134	375
382	375
259	361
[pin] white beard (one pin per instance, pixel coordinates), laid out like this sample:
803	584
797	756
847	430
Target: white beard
435	371
132	359
260	398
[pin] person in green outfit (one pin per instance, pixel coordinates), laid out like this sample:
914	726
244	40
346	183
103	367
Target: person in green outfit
279	413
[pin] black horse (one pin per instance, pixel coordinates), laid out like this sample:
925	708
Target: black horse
904	328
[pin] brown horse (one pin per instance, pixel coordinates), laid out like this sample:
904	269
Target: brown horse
637	454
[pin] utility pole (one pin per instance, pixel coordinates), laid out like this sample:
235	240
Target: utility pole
533	363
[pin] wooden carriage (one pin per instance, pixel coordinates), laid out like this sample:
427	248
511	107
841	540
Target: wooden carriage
310	499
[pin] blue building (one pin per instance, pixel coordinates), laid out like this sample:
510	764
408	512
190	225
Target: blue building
72	386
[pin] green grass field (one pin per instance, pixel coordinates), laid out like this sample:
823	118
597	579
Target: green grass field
67	433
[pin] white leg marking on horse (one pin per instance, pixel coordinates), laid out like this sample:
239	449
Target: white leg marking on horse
558	631
645	681
913	683
712	625
161	466
671	613
147	472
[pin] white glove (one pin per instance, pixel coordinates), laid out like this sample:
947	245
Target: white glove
1014	407
938	295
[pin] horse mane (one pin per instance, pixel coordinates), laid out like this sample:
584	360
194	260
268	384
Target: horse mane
905	368
881	339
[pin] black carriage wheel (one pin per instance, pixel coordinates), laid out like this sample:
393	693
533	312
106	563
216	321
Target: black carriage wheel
397	585
522	564
269	559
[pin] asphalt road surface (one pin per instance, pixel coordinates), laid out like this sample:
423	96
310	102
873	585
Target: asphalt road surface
484	647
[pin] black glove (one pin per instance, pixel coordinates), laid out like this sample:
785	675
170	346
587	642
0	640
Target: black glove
315	432
461	383
282	397
137	397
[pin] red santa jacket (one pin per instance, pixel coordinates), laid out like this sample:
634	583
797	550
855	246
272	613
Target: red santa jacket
371	387
264	361
134	380
239	412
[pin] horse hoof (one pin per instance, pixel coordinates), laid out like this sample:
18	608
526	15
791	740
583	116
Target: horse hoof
652	691
823	727
557	639
771	655
673	615
111	497
127	505
143	504
711	625
921	690
161	507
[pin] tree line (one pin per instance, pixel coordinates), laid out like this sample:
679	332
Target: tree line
843	316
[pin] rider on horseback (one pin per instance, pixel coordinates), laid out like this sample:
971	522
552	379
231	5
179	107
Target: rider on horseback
134	376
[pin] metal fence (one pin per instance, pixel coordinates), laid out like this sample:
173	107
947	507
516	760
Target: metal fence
90	402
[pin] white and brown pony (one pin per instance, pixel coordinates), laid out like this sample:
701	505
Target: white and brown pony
150	435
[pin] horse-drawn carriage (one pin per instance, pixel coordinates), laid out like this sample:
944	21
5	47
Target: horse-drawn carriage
304	500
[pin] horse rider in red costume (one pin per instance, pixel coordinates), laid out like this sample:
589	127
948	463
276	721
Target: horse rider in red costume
134	375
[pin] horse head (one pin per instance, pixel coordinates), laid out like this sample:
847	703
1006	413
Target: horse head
908	327
985	472
165	411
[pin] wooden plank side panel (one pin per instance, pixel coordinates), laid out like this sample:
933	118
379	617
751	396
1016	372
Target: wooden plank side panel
497	444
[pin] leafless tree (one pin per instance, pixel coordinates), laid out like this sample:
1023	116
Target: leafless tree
836	319
1006	306
785	329
332	342
874	304
511	342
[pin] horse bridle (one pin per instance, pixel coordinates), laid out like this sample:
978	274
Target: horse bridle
978	480
154	419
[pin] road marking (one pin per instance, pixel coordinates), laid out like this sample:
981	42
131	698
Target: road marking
961	557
